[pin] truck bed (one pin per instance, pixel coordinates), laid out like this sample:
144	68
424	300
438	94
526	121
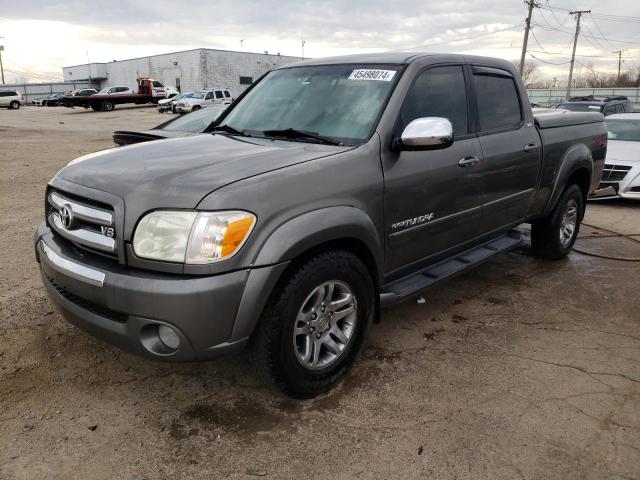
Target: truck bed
556	117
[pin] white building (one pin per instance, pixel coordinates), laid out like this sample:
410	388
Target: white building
187	70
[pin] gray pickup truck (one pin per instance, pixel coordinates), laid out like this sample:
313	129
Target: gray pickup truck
329	189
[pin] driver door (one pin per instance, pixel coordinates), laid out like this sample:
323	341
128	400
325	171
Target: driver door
433	198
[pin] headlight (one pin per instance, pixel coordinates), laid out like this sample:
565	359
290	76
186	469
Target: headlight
192	237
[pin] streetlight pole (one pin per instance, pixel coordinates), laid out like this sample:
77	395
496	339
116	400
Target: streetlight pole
1	67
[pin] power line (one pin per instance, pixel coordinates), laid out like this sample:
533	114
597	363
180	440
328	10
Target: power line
455	40
545	61
547	27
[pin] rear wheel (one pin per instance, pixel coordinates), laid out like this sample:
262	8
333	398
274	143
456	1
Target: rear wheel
553	236
15	105
107	106
314	324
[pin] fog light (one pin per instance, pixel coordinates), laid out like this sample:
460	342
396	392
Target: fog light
168	337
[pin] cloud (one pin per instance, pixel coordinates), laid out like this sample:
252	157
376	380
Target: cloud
128	29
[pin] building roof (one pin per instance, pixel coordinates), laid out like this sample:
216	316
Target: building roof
185	51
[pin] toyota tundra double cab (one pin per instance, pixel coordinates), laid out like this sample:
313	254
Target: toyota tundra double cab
329	189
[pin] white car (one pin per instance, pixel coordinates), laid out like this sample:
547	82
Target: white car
204	98
11	99
622	164
119	90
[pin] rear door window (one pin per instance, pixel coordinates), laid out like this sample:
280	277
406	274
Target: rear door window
497	100
219	94
227	94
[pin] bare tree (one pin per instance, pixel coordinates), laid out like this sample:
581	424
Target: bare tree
528	72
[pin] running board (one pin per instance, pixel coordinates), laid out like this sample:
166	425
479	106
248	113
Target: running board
417	282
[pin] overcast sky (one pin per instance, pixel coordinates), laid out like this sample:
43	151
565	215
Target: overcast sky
43	36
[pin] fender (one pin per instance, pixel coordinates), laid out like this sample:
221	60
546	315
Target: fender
575	158
292	239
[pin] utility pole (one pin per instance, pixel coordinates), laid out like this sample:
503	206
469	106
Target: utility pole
575	43
619	52
302	42
531	4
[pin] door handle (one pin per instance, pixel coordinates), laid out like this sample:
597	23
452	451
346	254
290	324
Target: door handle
531	147
470	161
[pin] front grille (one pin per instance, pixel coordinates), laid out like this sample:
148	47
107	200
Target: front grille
88	305
614	173
91	225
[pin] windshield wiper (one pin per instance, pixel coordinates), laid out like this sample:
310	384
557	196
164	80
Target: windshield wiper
292	133
229	129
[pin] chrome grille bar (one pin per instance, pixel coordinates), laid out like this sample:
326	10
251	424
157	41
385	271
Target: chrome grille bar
82	236
82	212
73	269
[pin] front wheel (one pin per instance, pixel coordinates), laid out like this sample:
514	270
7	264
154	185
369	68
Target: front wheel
14	105
314	324
553	236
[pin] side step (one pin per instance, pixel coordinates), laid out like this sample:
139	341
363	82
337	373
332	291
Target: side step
413	284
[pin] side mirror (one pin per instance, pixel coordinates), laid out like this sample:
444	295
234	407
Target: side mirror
427	133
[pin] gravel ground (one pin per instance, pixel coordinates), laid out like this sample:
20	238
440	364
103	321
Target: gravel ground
520	369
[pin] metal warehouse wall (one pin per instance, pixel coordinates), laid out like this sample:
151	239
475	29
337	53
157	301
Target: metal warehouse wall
193	69
224	69
549	96
38	90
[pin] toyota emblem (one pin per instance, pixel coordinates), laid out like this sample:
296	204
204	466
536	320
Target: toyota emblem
66	217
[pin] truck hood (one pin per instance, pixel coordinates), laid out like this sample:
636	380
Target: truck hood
179	172
623	150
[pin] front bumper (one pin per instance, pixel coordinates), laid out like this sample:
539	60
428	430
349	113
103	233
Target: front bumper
629	186
184	108
125	306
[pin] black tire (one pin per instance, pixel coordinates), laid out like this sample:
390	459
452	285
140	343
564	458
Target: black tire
273	343
106	106
95	107
14	105
195	107
546	232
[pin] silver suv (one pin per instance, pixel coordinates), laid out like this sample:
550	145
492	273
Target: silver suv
11	99
204	98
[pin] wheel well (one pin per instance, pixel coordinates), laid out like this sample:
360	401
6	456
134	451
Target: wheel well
582	178
352	245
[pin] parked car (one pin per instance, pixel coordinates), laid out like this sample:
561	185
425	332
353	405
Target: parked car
604	105
169	104
11	99
54	100
365	181
622	165
204	98
120	90
195	122
83	92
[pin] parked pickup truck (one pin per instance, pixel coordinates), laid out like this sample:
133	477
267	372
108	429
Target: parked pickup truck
149	91
329	189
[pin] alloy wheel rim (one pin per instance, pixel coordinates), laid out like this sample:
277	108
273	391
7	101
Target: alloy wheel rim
325	325
569	222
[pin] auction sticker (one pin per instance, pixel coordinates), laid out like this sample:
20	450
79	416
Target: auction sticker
369	74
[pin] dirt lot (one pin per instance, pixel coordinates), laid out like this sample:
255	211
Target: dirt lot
521	369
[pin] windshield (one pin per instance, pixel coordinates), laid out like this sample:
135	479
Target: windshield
197	95
628	130
581	107
196	121
104	90
342	102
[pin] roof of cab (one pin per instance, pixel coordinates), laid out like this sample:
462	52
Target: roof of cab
397	58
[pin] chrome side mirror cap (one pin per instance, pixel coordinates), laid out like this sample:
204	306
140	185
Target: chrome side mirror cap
427	133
